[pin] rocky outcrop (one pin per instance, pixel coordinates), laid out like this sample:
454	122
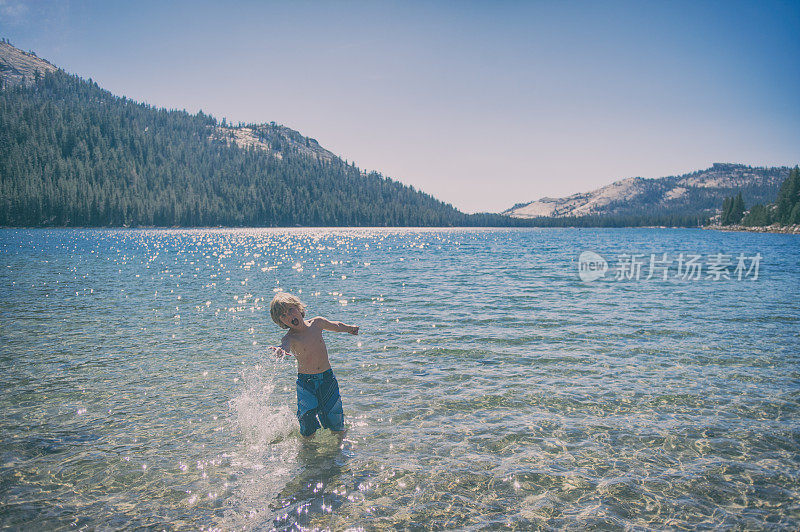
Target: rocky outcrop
774	228
273	139
17	67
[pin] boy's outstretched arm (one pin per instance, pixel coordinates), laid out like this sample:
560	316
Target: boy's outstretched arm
336	326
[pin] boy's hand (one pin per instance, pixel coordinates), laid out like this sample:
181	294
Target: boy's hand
278	352
353	330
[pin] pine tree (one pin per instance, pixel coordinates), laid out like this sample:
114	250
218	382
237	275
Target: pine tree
727	207
737	209
788	198
759	216
794	218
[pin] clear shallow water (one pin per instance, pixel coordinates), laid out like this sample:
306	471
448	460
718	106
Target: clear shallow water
490	387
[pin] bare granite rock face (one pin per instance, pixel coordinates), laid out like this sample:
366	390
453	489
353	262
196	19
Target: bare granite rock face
273	139
697	192
18	67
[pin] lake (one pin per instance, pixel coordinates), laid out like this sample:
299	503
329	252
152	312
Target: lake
495	383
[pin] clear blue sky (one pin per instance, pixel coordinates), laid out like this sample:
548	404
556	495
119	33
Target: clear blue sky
482	104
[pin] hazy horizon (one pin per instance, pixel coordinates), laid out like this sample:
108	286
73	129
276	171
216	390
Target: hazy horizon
481	105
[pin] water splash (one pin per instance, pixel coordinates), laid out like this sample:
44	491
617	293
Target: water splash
268	456
262	409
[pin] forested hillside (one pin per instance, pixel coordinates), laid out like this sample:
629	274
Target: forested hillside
72	154
785	211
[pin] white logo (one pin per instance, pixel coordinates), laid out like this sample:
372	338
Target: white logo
591	266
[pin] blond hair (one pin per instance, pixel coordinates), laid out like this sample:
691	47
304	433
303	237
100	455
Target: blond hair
281	304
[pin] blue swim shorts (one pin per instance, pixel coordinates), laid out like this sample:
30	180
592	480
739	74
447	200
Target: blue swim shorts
319	402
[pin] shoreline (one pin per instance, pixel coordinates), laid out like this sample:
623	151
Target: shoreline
774	228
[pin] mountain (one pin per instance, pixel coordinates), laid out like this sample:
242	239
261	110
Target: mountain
696	194
21	68
73	154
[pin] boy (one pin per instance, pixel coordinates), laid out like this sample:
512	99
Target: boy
317	389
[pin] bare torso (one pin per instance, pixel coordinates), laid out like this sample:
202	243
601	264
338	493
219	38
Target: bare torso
309	348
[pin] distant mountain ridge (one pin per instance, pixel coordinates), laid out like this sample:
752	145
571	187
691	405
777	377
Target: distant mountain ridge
695	193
